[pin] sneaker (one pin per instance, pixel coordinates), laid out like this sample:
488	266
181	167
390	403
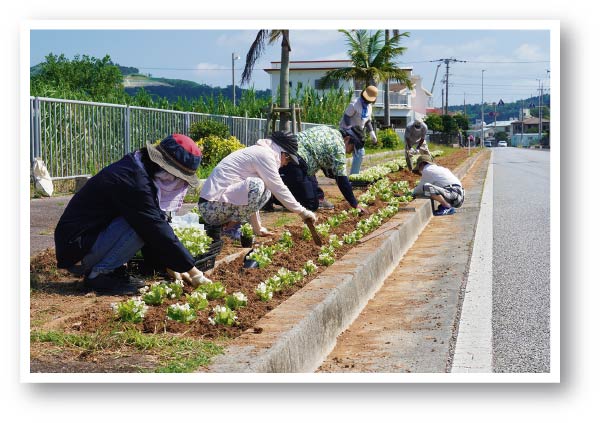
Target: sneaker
234	232
443	211
325	205
114	283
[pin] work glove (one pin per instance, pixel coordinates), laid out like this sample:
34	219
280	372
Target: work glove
199	280
308	215
373	137
264	232
413	151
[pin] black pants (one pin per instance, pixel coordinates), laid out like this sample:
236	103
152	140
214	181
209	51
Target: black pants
304	188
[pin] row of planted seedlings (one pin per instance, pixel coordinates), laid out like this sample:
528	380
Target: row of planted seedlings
284	266
377	172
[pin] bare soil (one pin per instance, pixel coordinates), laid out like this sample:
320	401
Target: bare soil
59	302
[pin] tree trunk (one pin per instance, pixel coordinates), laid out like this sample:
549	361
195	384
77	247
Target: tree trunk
386	97
284	81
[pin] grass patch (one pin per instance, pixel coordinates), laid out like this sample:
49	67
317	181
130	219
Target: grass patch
175	354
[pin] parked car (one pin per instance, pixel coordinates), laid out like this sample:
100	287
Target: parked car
502	144
487	143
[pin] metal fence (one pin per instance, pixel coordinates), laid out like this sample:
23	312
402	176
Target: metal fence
78	138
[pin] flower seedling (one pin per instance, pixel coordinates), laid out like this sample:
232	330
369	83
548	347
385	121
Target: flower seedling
181	312
246	230
335	242
286	240
223	316
131	310
264	292
197	300
174	290
154	294
213	290
326	259
236	300
310	267
195	240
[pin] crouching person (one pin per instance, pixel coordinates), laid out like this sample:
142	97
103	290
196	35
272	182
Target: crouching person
122	209
242	183
439	184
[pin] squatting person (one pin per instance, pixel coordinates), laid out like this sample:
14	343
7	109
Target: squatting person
414	142
323	148
440	184
124	208
242	183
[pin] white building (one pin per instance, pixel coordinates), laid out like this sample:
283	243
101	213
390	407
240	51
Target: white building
405	105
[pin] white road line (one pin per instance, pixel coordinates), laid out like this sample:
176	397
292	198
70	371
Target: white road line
473	352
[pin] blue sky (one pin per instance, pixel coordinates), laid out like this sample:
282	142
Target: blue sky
204	56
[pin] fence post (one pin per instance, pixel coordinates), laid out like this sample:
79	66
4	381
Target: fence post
246	128
186	124
36	152
127	129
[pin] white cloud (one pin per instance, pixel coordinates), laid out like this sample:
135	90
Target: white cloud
529	52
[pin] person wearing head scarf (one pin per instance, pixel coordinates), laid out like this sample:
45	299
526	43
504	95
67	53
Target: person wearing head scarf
122	209
359	113
242	183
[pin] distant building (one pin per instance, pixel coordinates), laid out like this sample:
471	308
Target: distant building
405	105
529	124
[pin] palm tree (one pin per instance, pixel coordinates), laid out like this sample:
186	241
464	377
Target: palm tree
255	51
371	56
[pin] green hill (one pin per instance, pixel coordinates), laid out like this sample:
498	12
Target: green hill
504	112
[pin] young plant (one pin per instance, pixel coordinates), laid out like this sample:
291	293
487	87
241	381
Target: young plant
213	290
195	240
197	300
286	240
306	233
310	267
174	290
264	292
223	316
236	300
181	312
323	229
154	294
335	242
246	230
131	310
326	259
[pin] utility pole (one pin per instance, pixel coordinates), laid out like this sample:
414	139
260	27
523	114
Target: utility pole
522	119
442	100
386	96
447	62
540	113
465	103
482	121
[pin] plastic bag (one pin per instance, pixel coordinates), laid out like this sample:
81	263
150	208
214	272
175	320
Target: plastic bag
42	180
188	220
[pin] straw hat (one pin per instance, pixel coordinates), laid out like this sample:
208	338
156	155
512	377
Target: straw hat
370	93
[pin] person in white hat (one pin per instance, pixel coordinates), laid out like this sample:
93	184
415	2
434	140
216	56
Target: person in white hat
359	113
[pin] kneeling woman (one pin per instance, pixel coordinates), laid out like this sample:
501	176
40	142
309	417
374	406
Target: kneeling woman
240	185
122	209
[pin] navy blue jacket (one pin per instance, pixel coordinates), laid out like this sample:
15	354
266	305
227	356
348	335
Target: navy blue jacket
120	189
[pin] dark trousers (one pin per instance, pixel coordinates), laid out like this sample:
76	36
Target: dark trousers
304	188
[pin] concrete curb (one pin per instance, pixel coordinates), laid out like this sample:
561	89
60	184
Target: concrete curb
302	331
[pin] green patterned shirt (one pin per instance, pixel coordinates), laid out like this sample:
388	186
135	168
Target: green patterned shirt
323	147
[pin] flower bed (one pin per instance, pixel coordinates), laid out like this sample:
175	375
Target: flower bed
237	297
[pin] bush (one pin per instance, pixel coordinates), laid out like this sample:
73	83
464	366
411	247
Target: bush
389	139
214	148
207	128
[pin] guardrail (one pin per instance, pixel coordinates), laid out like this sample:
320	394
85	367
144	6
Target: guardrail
78	138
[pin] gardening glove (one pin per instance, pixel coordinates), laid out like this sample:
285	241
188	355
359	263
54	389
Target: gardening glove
264	232
362	210
413	151
308	215
373	137
176	275
199	280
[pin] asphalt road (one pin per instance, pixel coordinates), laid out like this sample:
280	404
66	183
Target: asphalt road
521	261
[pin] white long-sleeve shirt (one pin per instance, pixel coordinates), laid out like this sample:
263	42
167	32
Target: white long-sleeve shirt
436	175
228	181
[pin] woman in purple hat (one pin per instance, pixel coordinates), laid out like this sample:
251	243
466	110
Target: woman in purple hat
124	208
